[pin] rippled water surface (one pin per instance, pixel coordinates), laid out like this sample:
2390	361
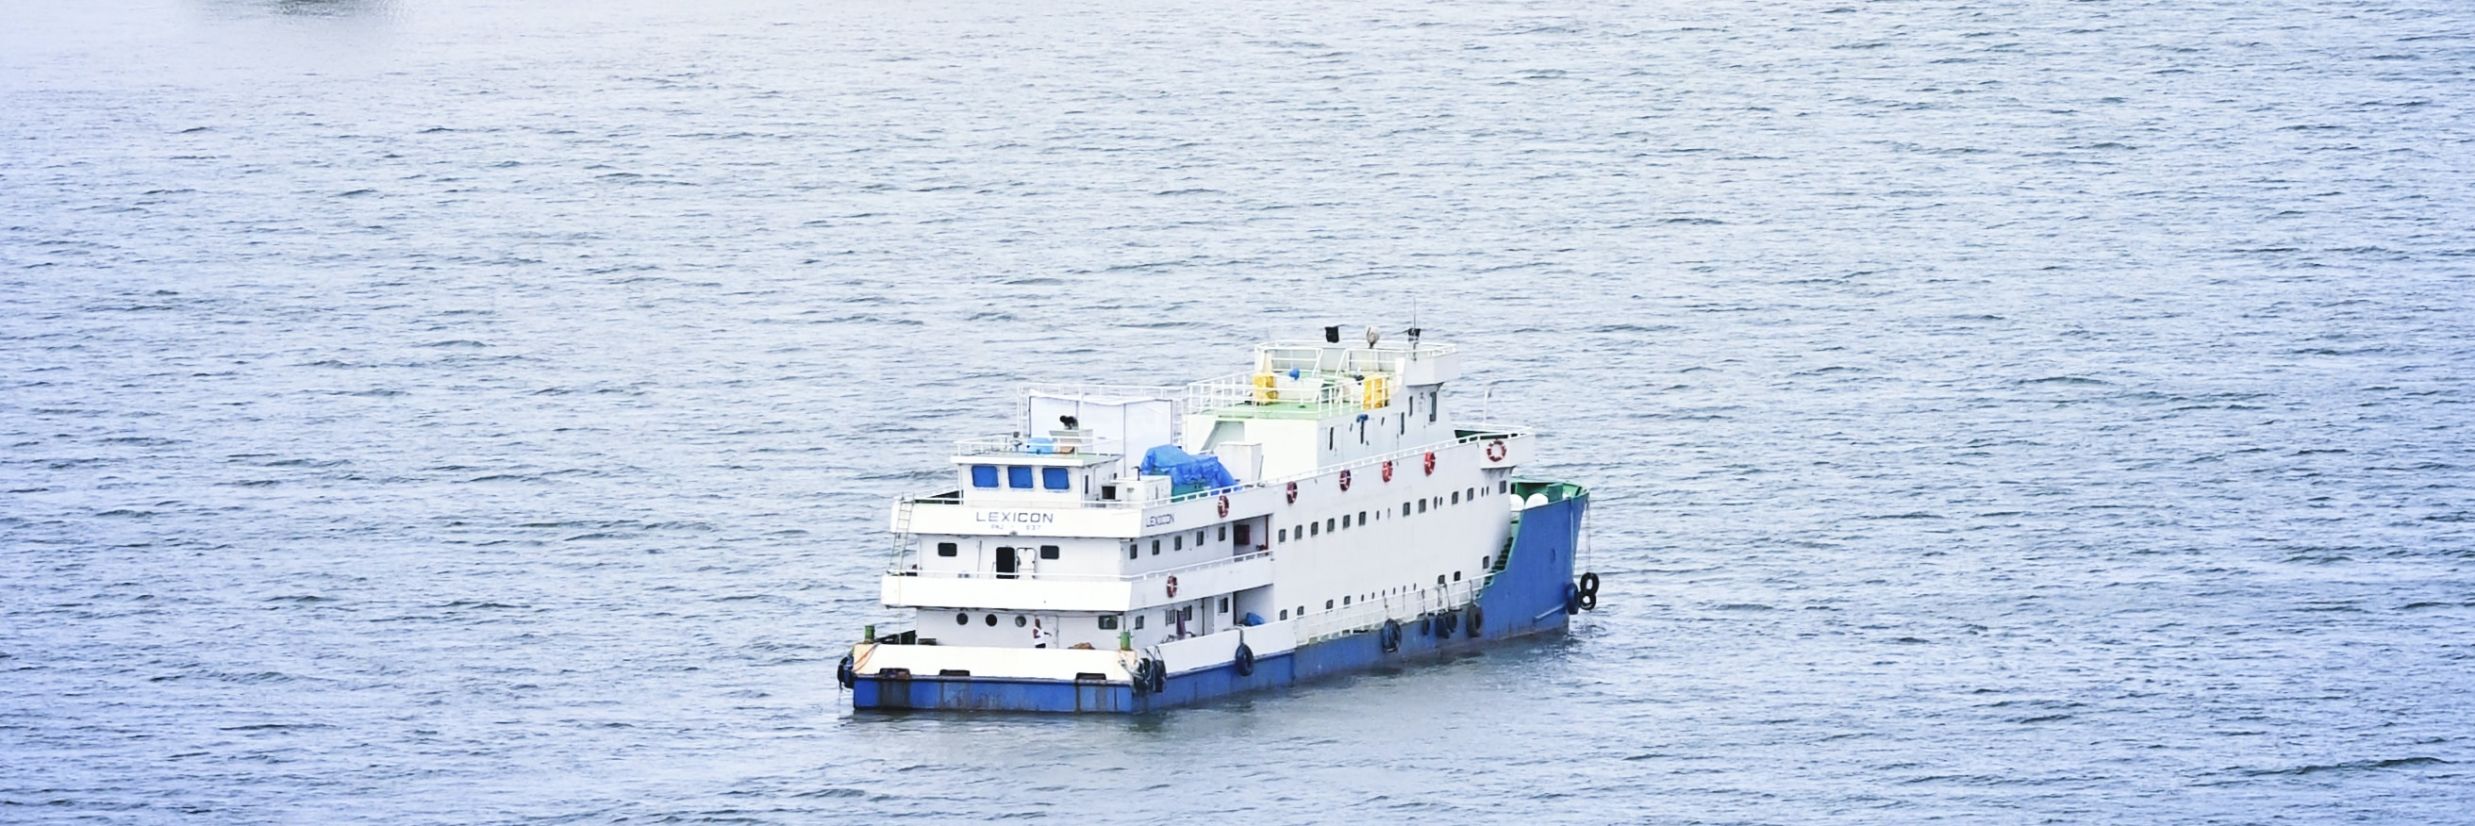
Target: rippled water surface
1999	412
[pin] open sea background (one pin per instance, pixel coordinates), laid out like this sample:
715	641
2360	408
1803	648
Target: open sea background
1997	411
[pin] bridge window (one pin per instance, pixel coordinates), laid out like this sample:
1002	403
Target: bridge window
1284	535
1362	517
1108	623
1055	478
1344	520
1456	576
1328	522
1456	497
1344	600
947	549
1018	476
1314	529
983	476
1048	552
1422	506
1327	605
1405	509
1284	613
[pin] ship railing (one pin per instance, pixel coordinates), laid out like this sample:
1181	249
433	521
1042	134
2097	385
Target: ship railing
1106	392
902	567
1467	435
1238	390
1017	444
1369	615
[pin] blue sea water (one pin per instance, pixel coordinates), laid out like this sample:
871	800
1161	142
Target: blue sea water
1998	411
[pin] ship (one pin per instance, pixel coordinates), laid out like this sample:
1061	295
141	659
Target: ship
1132	549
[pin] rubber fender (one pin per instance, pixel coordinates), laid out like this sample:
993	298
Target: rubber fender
1245	661
1390	636
1447	623
845	674
1572	599
1160	676
1143	675
1478	617
1589	583
1589	601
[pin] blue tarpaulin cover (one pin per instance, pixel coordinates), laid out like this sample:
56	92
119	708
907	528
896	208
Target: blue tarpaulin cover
1186	471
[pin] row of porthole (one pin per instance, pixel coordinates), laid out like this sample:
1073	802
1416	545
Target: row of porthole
1338	523
1178	543
964	618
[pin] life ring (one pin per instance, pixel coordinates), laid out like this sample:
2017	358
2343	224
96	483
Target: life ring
845	674
1430	463
1293	493
1344	480
1387	470
1589	583
1172	585
1495	451
1478	618
1224	507
1245	661
1390	636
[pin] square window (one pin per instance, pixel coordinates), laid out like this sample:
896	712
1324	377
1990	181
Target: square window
1186	614
1198	539
1155	547
1328	522
1138	622
1456	497
1133	552
1456	576
1048	552
1284	613
1503	486
1422	506
1344	600
1224	605
1177	543
1327	605
947	549
1344	521
1405	509
983	476
1314	529
1224	533
1284	535
1055	478
1018	476
1108	623
1362	517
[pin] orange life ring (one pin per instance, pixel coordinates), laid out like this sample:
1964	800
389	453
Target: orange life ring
1224	507
1387	470
1495	451
1173	585
1344	480
1293	493
1430	463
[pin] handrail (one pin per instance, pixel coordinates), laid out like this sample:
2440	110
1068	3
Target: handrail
898	570
1468	435
1324	625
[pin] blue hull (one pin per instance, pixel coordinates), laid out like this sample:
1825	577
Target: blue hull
1526	598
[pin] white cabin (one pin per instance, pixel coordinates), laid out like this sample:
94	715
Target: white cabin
1350	491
